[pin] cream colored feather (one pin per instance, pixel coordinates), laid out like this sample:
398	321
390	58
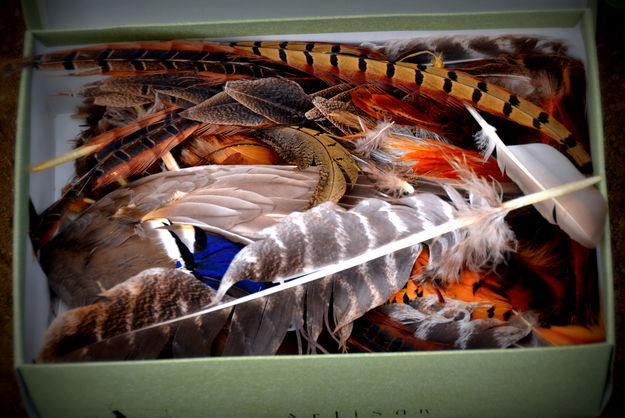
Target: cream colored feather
537	167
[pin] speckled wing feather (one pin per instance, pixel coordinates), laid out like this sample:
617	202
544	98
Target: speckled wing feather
450	322
327	235
130	322
467	47
111	328
280	100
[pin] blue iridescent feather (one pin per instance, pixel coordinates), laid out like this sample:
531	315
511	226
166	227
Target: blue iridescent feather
211	257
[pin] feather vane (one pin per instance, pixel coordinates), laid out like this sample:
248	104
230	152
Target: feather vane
537	167
451	323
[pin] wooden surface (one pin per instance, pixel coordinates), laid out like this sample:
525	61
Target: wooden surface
610	38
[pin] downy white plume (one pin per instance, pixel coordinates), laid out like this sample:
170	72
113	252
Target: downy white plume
384	143
373	139
538	167
390	180
482	245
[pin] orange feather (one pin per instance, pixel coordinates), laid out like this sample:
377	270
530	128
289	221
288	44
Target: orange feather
227	149
571	334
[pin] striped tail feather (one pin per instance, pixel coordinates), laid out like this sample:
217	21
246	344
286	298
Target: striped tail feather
142	57
440	83
124	158
119	155
96	144
146	58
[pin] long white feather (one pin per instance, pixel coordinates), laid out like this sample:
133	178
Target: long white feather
537	167
409	241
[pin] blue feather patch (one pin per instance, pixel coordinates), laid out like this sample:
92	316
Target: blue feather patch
211	257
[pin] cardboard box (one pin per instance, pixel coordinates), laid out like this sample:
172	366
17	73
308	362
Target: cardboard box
554	381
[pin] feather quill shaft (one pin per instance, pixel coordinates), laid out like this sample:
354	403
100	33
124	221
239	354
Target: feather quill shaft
99	142
411	240
537	167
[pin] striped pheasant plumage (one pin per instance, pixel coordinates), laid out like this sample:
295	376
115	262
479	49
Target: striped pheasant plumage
216	165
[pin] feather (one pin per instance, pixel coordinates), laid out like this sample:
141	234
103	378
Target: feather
569	334
119	161
432	158
105	329
377	332
280	100
43	226
146	58
227	149
451	323
119	325
190	87
251	333
471	249
536	167
342	114
384	106
389	180
555	82
207	254
223	109
304	147
114	238
97	143
466	47
534	278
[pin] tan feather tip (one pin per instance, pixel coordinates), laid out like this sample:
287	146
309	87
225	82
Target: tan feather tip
65	158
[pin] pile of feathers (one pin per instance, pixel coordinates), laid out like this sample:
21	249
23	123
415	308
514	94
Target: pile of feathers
257	198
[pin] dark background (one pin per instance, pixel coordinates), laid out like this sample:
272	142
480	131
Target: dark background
610	39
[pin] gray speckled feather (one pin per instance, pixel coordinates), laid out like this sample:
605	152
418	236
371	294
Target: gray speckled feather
470	47
328	235
450	322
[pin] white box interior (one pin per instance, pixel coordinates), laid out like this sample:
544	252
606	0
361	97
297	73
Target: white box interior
52	130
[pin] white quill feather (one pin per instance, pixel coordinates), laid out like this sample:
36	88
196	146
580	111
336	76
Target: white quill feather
409	241
538	167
